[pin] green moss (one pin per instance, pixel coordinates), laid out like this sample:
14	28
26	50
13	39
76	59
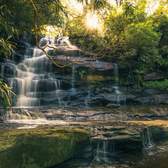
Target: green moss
39	148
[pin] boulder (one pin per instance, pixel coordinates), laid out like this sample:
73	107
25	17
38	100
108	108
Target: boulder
39	148
154	76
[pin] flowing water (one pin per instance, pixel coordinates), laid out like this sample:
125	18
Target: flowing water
123	148
147	139
37	83
33	80
87	99
107	147
73	89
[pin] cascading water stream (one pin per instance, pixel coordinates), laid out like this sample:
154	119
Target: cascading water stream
118	96
101	151
97	157
105	151
147	139
33	80
36	83
73	89
116	74
25	76
87	99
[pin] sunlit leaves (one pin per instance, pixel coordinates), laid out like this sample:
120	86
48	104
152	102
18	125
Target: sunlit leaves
5	94
95	4
6	47
49	12
144	41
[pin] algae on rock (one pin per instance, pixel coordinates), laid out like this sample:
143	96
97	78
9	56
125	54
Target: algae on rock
39	148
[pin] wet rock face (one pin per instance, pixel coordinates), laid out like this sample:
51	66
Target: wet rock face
8	69
120	147
154	99
109	146
154	76
37	82
39	148
148	97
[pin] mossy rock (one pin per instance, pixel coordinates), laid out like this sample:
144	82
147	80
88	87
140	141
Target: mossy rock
39	148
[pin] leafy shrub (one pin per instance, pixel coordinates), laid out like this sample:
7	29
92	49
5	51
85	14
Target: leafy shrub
163	85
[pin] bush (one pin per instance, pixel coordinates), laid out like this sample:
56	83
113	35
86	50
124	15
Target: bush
163	85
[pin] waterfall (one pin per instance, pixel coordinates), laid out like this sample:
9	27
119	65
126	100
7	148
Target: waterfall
118	97
113	152
105	151
101	152
87	99
73	89
61	41
116	74
33	80
64	41
97	155
147	139
36	83
116	86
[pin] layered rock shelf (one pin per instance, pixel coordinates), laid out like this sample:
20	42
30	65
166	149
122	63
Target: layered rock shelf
85	62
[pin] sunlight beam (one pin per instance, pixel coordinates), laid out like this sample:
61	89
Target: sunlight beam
93	22
152	6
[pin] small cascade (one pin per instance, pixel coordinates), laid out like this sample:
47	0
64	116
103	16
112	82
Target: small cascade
37	83
73	89
147	139
87	99
116	87
61	41
105	151
118	98
101	152
116	74
113	151
33	79
97	157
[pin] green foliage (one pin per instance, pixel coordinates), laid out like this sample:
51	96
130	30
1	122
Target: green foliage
6	47
142	46
138	42
80	36
133	39
12	24
5	94
163	44
18	17
163	84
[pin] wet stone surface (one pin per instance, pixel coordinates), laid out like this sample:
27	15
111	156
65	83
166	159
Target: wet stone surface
123	147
